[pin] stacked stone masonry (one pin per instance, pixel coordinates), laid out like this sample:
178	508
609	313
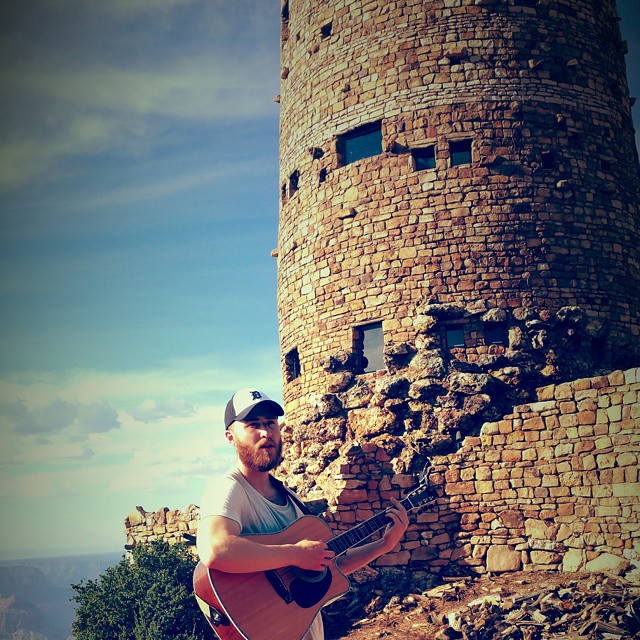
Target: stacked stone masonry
544	215
164	524
552	485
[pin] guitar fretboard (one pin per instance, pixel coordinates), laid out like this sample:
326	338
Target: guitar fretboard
345	541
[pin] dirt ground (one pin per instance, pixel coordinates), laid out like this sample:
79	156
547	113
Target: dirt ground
521	606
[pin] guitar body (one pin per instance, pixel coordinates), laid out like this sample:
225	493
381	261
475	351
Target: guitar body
270	605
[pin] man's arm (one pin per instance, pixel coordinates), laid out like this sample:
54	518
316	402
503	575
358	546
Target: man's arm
221	547
358	557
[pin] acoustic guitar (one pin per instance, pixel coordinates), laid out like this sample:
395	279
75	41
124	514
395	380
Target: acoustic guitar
281	604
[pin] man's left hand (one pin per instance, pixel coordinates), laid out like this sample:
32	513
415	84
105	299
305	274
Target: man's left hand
395	530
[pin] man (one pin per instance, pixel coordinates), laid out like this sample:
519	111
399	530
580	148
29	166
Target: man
248	500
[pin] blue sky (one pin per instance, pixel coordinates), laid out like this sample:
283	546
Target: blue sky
138	210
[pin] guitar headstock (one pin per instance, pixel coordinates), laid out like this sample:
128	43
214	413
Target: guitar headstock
419	496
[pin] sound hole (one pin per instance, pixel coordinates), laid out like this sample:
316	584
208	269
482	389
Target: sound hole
308	592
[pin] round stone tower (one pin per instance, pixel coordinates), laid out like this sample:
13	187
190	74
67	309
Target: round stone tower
465	163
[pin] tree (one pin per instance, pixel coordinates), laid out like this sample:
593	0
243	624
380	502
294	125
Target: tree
149	597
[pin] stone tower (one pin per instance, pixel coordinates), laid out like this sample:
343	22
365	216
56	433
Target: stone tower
459	215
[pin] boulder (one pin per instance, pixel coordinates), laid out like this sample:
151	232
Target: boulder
374	421
518	339
392	386
495	316
428	365
337	360
470	383
323	430
502	558
572	315
327	405
476	404
607	562
136	517
397	349
426	389
339	381
424	323
357	396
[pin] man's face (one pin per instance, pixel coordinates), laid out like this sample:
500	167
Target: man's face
257	441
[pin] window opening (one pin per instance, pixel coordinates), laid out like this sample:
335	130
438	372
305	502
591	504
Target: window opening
460	152
548	159
323	175
326	30
424	158
292	365
294	179
605	165
284	24
283	192
363	142
454	337
369	347
495	334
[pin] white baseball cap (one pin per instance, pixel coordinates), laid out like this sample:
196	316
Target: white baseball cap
242	403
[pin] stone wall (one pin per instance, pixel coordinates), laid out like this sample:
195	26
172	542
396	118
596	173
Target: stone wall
553	485
164	524
431	395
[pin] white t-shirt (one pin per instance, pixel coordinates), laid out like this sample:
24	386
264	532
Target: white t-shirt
233	497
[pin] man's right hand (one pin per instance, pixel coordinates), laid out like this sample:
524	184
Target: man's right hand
312	555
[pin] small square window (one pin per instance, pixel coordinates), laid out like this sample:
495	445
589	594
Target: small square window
326	30
285	12
548	159
454	337
424	158
495	334
294	179
460	152
292	365
369	347
363	142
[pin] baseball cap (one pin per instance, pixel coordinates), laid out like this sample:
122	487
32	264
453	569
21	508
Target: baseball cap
242	403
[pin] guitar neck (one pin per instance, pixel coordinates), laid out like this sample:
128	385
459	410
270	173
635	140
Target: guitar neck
352	538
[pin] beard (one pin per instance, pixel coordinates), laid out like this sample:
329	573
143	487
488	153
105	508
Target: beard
259	459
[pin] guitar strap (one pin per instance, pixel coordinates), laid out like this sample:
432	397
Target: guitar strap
303	507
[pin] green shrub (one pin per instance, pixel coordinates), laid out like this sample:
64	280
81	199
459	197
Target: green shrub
147	597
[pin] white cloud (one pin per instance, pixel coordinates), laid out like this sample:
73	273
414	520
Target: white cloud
55	451
155	410
57	415
151	433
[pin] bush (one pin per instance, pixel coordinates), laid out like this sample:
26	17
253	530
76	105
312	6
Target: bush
149	597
